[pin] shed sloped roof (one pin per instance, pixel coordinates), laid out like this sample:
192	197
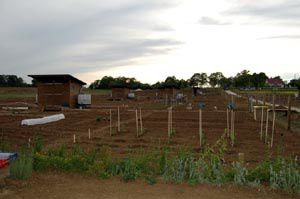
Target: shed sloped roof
56	78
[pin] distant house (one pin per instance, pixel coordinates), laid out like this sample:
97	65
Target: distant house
57	90
275	82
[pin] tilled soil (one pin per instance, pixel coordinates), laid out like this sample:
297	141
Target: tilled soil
185	124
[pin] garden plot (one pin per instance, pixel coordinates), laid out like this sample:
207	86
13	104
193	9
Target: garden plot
92	127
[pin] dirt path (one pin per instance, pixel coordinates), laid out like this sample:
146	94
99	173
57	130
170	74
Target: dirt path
57	185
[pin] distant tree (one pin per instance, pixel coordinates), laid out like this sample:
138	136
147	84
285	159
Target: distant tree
198	80
215	78
226	83
194	81
11	81
171	81
243	79
295	83
203	79
157	85
259	80
183	83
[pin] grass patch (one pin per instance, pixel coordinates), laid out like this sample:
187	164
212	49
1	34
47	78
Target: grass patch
22	167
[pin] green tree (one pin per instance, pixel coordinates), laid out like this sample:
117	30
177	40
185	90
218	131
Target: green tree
295	83
243	79
215	78
171	81
259	80
198	80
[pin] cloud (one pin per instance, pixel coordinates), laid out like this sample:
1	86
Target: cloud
63	36
211	21
277	11
281	37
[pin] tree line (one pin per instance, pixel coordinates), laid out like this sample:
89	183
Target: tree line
243	79
12	81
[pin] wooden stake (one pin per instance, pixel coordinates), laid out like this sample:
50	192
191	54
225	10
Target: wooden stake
261	123
141	121
110	123
200	126
74	138
273	124
289	114
137	123
171	121
232	128
267	125
89	133
227	130
119	125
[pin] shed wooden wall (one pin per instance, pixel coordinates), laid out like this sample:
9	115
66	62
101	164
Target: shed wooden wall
58	94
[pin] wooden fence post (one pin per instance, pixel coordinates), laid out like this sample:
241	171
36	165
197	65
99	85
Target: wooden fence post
227	130
110	123
289	114
262	123
137	122
273	124
200	126
141	121
267	125
119	125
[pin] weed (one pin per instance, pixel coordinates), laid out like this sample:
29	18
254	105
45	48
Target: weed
21	168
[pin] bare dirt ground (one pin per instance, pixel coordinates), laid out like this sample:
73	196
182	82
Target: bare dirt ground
70	186
185	123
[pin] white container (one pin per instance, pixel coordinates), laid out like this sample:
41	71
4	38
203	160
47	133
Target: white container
84	99
131	95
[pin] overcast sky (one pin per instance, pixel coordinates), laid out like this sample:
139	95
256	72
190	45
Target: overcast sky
149	39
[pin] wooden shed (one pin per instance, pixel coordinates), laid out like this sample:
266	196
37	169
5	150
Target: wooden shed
57	90
119	92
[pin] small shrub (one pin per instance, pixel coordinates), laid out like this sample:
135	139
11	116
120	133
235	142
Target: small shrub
239	173
37	144
287	178
21	168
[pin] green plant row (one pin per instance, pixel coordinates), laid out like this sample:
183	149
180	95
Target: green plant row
162	164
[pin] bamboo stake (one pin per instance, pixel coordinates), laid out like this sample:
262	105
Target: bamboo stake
119	125
110	123
137	123
273	124
89	133
262	123
267	125
289	114
141	121
231	129
171	121
227	130
168	123
200	126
